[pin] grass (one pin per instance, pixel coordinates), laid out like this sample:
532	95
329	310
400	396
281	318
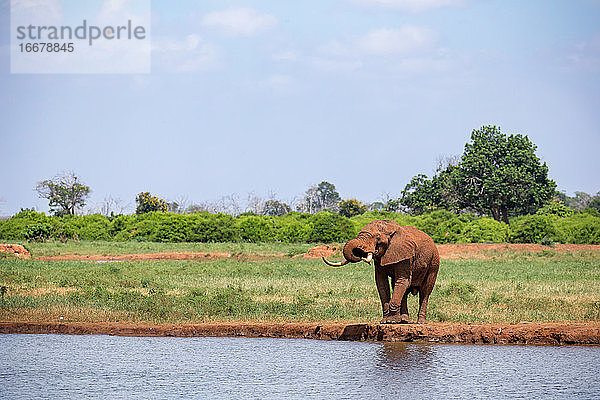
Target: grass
547	287
49	249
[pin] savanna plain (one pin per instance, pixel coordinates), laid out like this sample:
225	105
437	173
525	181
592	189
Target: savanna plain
277	283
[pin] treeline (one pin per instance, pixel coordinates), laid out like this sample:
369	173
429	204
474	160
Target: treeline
294	227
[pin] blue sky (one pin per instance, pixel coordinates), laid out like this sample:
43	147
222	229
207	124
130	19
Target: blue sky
274	96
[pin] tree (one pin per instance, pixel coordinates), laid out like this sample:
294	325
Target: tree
580	202
276	208
595	202
179	205
147	203
376	206
351	207
423	195
112	206
420	195
318	198
64	192
328	197
501	174
255	204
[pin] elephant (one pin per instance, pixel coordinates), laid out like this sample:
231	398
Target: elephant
403	254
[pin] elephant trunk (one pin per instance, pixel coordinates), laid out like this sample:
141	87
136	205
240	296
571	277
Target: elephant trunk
354	250
350	250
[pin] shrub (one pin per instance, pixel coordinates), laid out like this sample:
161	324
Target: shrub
169	228
484	230
555	207
14	227
86	227
533	228
582	227
40	231
292	228
327	227
206	227
442	226
255	229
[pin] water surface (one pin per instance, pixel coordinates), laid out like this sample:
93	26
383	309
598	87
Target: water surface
93	366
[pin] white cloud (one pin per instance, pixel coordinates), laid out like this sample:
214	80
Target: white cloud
411	5
189	54
278	81
337	65
585	55
396	41
239	21
285	56
113	6
408	48
334	48
44	12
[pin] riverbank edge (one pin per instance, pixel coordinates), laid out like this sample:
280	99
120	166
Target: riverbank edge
497	333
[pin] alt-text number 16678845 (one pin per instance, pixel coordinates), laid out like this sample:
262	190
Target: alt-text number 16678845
44	47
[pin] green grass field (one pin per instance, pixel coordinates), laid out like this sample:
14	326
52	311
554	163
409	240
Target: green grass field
511	287
49	249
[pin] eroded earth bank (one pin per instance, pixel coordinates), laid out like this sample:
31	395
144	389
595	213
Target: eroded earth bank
523	333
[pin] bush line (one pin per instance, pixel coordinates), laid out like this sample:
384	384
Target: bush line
324	227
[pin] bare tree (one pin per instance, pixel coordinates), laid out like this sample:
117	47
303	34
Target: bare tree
390	203
227	205
310	202
232	204
580	202
179	205
112	206
255	204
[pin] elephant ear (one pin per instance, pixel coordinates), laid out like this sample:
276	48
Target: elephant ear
402	246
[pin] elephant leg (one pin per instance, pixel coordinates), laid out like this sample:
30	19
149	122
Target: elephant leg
424	293
404	305
383	287
398	306
423	298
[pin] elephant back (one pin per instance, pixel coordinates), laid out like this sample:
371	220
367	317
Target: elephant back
426	251
410	243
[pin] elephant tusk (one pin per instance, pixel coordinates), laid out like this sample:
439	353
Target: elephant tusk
333	264
368	258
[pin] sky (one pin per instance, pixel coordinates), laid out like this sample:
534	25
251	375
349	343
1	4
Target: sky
270	97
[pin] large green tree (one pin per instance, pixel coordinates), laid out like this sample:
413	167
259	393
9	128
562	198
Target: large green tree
502	175
497	174
423	195
65	193
420	195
